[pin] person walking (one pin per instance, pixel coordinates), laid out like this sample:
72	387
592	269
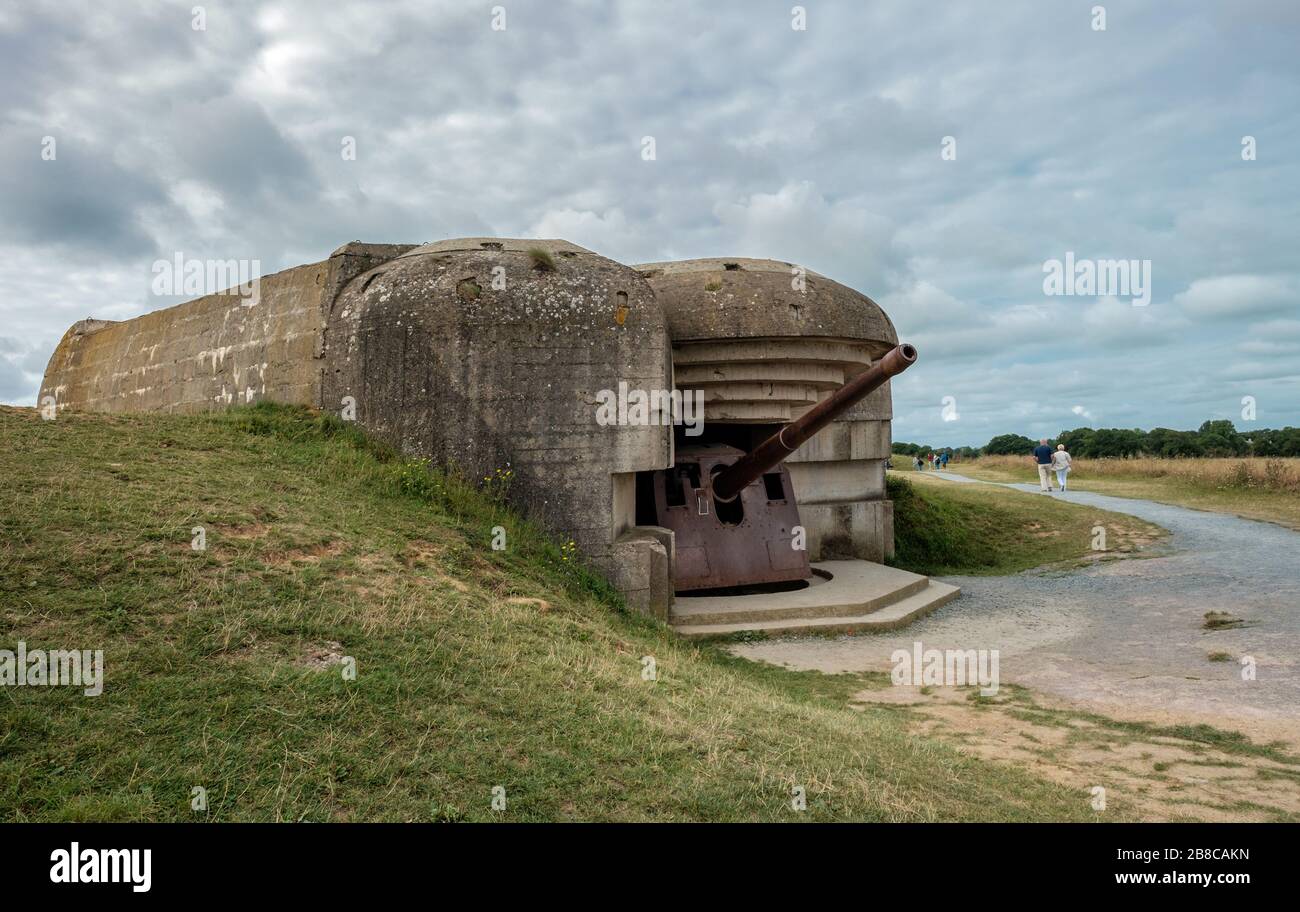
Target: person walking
1061	464
1043	457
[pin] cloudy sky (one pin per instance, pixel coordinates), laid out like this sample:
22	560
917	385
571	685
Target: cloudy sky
824	146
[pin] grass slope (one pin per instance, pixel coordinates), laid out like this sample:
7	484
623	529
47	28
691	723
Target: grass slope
948	528
475	668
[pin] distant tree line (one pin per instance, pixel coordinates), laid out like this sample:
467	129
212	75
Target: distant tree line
1213	438
918	449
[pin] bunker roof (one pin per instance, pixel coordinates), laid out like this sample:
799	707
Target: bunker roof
739	298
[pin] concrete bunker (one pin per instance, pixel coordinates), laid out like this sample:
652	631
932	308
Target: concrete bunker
493	353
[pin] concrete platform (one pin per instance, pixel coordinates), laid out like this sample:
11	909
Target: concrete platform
843	597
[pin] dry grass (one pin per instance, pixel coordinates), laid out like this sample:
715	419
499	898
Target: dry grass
1272	474
1253	487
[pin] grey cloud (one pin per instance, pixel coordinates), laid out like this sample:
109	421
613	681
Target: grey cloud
15	387
82	198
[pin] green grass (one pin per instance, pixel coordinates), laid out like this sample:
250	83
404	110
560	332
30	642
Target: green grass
215	675
949	528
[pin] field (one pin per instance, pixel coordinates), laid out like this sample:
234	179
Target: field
1264	489
475	670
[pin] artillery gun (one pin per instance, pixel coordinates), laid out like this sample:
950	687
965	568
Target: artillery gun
734	514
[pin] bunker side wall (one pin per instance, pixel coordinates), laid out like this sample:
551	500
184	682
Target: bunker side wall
214	351
204	354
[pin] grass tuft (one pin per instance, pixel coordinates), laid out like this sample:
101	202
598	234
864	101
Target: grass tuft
1222	620
542	259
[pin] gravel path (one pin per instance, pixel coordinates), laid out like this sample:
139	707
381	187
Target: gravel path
1124	636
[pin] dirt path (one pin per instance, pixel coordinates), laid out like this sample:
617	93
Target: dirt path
1126	639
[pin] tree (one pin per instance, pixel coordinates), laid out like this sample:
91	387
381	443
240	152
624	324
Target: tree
1220	438
1117	442
1213	438
1168	444
1265	442
1078	441
1009	445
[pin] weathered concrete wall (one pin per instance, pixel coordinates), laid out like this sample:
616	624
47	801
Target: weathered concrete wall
199	355
839	481
467	353
211	352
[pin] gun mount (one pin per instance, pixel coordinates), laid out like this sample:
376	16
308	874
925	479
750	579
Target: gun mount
734	514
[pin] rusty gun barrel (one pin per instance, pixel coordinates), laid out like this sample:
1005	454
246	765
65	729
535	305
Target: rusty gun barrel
732	480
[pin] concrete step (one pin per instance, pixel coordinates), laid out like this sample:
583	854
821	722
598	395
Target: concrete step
839	589
898	614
